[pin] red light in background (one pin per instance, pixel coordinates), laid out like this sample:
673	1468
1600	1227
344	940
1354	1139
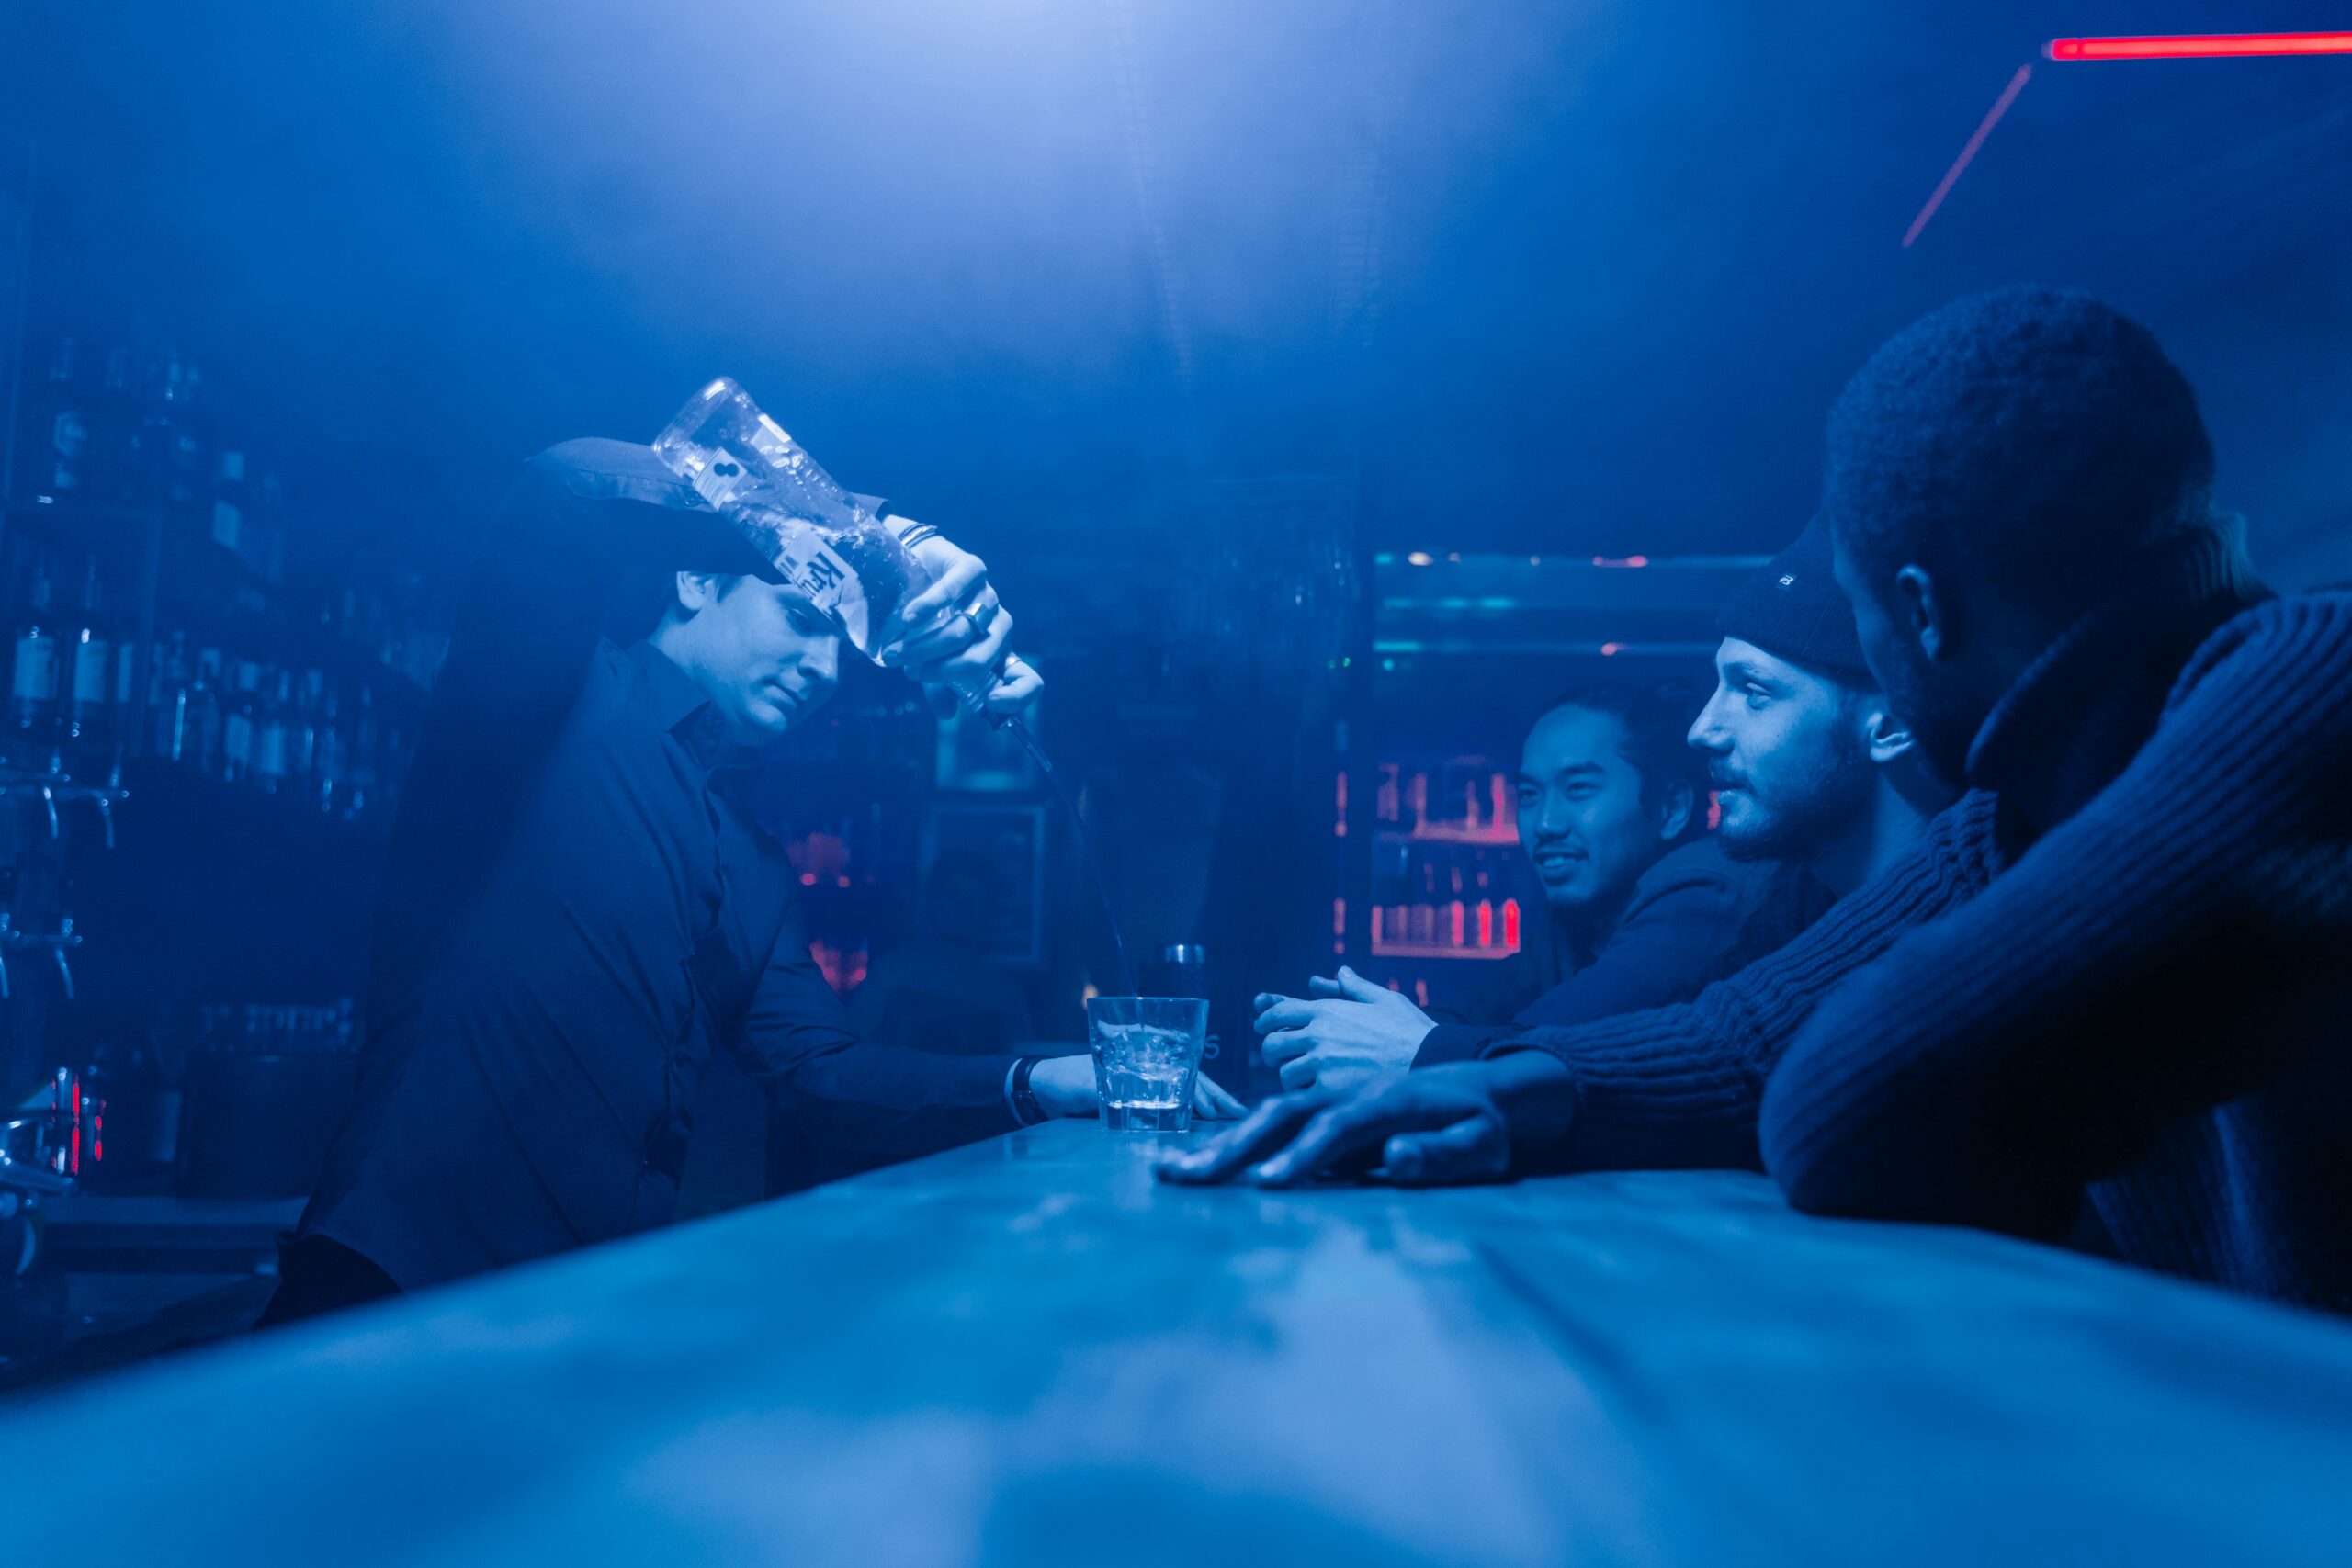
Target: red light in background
1621	560
1611	649
1510	922
2197	46
1952	175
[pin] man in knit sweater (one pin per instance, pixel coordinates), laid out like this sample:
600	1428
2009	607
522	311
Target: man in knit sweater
2135	1020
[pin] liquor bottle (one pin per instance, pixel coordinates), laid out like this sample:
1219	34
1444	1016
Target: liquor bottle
168	677
360	758
270	764
261	543
32	708
119	438
328	780
237	724
205	720
69	423
302	732
181	445
228	522
90	688
125	687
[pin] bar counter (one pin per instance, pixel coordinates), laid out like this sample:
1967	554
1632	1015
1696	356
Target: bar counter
1030	1351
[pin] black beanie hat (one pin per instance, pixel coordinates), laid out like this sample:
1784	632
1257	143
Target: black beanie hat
1793	609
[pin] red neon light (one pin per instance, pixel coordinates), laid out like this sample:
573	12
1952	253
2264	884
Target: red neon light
1952	175
2197	46
1510	922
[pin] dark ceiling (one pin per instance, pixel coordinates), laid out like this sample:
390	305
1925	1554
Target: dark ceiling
1577	277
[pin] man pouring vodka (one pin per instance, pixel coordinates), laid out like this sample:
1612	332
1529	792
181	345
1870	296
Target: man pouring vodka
578	911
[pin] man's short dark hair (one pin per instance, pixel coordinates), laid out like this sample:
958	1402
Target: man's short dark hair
1656	721
2037	436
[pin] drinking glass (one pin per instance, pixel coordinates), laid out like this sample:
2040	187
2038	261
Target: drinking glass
1145	1051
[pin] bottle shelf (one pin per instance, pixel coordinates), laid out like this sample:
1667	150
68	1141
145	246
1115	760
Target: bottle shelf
208	592
1385	949
1438	833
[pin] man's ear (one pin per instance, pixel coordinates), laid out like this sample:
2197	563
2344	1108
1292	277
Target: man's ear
1885	734
1927	613
696	590
1674	808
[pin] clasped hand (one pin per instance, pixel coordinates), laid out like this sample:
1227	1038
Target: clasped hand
1348	1032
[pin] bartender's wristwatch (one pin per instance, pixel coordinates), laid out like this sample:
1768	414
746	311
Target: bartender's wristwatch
1024	1099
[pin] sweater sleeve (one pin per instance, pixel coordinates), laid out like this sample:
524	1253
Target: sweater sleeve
1681	1086
1994	1062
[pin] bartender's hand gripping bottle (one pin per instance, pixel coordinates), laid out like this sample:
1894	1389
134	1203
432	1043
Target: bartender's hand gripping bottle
853	567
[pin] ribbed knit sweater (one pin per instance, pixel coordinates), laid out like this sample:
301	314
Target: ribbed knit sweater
2151	1007
2143	1012
1682	1086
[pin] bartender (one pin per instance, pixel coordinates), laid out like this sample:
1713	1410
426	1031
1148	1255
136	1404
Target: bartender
577	910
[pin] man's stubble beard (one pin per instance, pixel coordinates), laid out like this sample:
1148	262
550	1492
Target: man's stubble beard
1826	801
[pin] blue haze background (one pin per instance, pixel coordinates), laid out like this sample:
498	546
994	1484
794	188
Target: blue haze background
1577	277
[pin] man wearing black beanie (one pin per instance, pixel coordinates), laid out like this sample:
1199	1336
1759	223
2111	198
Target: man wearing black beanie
1809	763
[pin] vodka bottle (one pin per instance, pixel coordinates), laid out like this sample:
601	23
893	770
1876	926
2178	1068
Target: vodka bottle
843	558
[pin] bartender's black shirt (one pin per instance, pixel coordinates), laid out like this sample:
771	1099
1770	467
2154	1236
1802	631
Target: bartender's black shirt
549	985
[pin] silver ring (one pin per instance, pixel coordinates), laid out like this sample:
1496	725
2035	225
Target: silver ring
967	613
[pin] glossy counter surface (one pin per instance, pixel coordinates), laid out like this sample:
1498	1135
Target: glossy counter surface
1030	1351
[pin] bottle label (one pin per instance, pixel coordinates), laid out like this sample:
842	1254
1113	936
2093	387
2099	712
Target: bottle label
237	740
813	568
35	679
227	525
92	664
269	752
